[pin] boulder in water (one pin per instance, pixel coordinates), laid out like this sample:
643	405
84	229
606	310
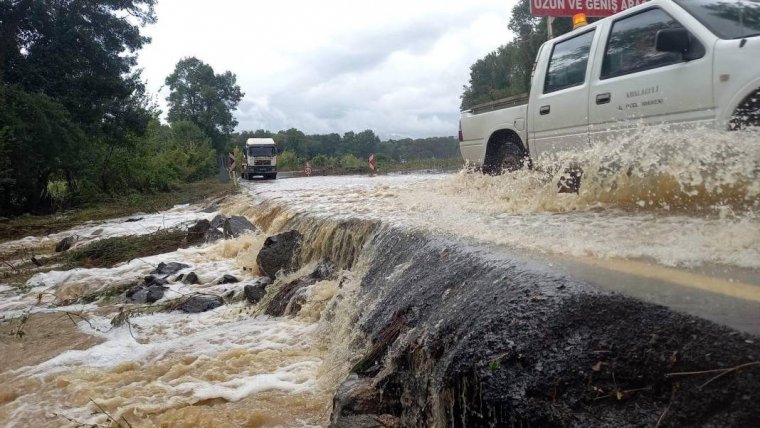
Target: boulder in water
169	268
255	292
203	232
154	280
228	279
200	303
64	244
279	252
143	294
191	278
236	226
218	221
360	404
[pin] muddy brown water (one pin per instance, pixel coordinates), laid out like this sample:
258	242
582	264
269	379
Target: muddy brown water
471	263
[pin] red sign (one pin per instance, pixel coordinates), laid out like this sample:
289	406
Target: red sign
572	7
307	169
372	161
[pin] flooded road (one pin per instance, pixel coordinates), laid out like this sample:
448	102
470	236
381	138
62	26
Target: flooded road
674	223
661	228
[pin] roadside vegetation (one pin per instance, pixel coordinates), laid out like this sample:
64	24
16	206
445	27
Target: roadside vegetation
507	70
113	206
78	127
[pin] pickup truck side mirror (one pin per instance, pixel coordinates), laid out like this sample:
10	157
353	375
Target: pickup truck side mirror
673	40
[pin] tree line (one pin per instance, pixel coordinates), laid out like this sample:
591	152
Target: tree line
507	70
351	148
77	124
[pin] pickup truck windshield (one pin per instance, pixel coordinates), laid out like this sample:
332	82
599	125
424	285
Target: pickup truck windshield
728	19
267	151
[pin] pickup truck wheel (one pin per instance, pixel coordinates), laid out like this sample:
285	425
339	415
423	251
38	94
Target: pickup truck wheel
508	157
512	158
747	114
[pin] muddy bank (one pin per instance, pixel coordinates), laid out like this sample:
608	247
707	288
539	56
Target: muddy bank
463	336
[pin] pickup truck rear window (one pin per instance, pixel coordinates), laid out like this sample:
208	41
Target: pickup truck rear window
728	19
567	65
631	45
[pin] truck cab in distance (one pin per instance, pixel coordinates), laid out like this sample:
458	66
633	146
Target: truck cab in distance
673	64
260	158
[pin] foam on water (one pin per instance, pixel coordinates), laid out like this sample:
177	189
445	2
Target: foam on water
687	199
227	367
148	223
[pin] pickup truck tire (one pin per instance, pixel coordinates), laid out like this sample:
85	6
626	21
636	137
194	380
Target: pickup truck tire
747	114
506	155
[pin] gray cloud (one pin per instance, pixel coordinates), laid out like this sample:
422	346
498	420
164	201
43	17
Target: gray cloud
398	68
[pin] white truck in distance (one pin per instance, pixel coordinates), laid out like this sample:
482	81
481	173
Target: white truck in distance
669	63
260	158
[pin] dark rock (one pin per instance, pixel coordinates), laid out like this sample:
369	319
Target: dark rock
132	290
4	219
365	404
279	252
179	277
200	303
150	294
203	232
367	421
324	270
218	221
155	293
214	235
132	220
191	278
228	279
154	280
289	298
236	226
254	292
64	244
196	233
209	210
169	268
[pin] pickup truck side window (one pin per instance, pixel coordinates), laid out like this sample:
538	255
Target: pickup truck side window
631	47
567	65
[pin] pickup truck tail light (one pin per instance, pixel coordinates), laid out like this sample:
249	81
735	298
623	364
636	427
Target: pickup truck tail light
461	137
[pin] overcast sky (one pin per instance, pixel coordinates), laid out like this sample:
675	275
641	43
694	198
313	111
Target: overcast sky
394	66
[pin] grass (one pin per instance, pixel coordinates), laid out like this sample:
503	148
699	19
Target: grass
109	252
453	164
33	225
103	253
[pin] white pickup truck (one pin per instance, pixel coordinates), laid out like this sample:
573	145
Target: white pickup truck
671	63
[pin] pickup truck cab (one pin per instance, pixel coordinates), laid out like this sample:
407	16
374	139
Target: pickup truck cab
667	63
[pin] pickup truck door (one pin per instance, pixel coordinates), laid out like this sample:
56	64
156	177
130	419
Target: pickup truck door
558	106
635	84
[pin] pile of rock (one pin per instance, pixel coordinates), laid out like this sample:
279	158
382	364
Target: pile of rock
220	227
154	285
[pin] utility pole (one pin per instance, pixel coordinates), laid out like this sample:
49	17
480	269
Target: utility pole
549	23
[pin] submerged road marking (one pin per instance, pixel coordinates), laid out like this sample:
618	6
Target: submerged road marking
734	289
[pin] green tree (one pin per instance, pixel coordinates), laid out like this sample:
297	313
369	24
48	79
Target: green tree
507	70
204	98
37	140
81	54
